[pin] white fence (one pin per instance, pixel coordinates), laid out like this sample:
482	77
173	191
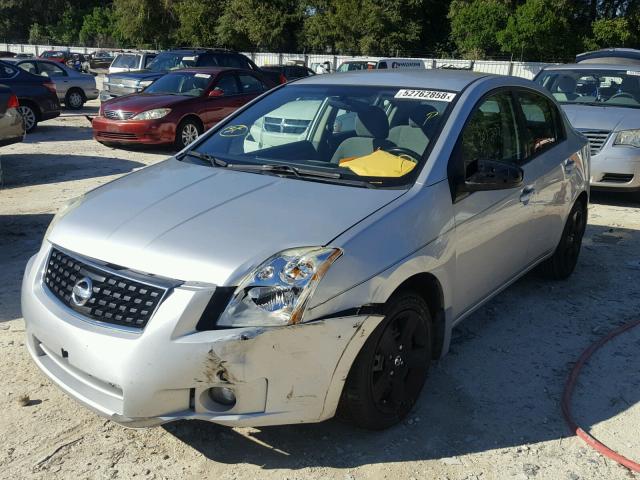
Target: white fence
499	67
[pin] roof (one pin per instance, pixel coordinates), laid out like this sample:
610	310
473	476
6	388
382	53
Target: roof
595	66
606	55
209	70
453	80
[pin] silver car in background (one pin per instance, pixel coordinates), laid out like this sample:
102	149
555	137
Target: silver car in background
249	284
73	88
602	101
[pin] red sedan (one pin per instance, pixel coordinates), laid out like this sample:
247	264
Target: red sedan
176	108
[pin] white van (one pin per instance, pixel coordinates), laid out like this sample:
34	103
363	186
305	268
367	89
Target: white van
400	63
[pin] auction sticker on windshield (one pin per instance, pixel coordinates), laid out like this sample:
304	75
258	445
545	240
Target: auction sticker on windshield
425	95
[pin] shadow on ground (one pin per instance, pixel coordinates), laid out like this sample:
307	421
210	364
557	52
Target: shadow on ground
59	133
26	169
499	387
616	199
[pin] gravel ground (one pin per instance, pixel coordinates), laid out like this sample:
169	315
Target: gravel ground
490	409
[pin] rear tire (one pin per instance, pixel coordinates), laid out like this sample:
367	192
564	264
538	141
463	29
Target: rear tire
563	262
388	374
29	116
187	132
74	100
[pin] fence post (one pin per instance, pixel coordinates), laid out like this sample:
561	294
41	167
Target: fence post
510	68
280	57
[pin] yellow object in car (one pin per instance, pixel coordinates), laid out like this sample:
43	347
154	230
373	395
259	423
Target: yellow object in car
379	164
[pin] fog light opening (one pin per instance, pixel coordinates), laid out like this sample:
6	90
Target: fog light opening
223	396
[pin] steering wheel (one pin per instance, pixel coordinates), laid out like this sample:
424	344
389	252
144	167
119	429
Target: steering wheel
400	151
622	95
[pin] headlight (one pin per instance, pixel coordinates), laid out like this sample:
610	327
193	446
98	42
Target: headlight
628	137
144	83
277	292
66	208
152	114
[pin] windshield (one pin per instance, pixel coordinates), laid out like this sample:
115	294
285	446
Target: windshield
126	61
594	87
376	134
52	55
172	61
183	83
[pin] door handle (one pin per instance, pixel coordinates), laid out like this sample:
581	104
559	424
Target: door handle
526	194
569	165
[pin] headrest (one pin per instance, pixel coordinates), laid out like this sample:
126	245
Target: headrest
567	84
372	122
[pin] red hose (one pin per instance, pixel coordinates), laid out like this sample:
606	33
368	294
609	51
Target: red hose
568	392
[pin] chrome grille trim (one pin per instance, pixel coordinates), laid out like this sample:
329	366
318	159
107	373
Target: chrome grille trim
597	139
118	114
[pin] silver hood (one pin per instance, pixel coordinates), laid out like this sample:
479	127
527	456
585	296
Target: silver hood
196	223
589	117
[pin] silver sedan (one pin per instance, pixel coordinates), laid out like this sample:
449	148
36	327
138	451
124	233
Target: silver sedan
258	284
74	88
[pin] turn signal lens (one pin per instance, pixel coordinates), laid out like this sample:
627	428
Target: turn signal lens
13	102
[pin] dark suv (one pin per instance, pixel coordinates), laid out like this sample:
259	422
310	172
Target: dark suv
119	84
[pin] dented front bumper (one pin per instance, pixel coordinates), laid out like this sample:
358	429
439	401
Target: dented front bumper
279	375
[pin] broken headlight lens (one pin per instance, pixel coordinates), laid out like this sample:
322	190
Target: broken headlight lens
277	292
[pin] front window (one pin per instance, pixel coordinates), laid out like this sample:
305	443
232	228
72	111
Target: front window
594	87
373	135
183	83
126	61
172	61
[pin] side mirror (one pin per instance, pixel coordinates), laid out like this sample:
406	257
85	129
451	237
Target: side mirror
216	92
492	175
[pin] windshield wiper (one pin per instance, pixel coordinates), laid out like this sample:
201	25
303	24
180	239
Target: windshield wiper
215	162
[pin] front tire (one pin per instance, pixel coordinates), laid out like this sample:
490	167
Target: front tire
563	262
388	374
187	132
74	100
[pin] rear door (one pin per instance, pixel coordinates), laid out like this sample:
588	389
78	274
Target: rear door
493	228
553	166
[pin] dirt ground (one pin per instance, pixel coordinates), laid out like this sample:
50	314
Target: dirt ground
490	409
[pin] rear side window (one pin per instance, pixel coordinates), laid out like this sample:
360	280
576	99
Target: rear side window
228	84
542	123
491	133
234	61
250	84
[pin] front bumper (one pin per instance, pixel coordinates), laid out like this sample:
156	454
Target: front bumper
616	168
148	132
279	375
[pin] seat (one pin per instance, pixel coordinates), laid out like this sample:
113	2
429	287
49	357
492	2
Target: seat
372	129
566	89
421	121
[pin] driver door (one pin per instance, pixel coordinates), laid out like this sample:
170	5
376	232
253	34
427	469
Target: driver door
493	228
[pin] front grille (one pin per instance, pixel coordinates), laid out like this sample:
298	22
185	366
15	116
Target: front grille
117	135
617	177
597	139
285	125
119	88
114	299
118	114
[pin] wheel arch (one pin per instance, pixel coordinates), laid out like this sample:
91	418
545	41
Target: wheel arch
191	116
34	106
430	289
76	89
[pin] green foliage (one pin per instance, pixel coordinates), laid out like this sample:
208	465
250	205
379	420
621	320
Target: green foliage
527	29
262	24
612	32
197	21
539	30
98	27
475	26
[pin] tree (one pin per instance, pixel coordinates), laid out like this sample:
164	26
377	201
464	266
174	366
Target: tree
145	23
540	30
37	34
267	25
197	22
98	28
385	27
611	32
475	25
